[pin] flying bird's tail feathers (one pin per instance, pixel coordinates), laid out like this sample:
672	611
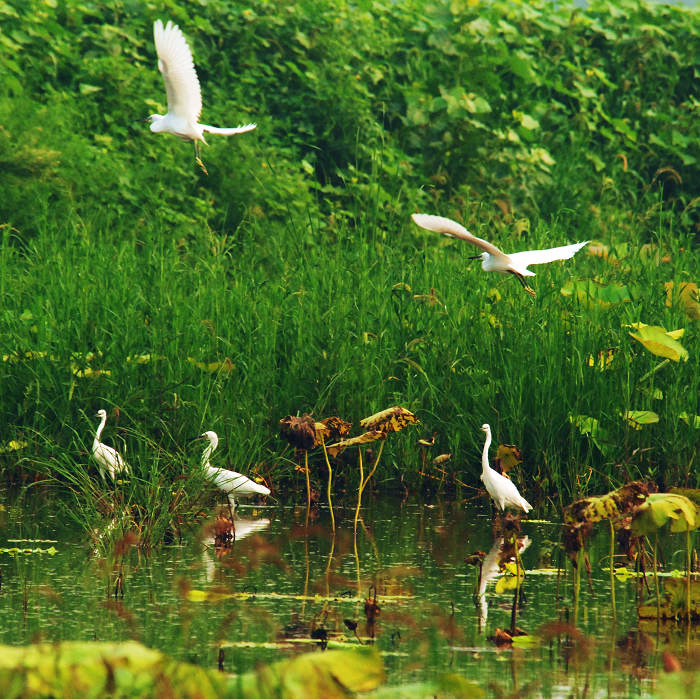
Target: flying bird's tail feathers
227	132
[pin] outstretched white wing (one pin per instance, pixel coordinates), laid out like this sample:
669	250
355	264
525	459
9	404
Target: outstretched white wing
175	63
228	132
538	257
451	228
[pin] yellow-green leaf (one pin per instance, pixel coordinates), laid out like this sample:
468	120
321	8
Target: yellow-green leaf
637	418
660	508
226	365
333	674
660	342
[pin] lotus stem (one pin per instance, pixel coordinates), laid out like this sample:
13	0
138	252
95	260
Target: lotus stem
330	481
612	568
308	486
359	489
514	614
357	561
577	584
656	581
374	468
687	573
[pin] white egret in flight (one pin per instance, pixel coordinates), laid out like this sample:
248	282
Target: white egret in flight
184	96
501	489
232	483
493	259
108	459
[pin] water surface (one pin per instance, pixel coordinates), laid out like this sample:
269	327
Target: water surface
280	583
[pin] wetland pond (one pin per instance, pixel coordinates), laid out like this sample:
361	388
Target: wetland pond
283	588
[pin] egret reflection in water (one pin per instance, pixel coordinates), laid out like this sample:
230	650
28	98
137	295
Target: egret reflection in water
242	529
491	569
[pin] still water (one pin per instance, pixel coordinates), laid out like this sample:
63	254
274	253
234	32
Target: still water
282	583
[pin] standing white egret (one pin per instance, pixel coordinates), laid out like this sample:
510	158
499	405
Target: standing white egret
232	483
493	259
107	458
184	95
501	489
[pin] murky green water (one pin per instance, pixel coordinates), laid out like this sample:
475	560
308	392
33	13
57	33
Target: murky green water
262	598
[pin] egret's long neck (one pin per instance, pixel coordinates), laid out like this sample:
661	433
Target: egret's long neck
100	428
208	451
485	454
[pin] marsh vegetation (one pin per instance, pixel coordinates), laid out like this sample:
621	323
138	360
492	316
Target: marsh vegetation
290	281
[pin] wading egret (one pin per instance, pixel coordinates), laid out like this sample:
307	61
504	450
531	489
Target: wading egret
493	259
108	459
501	489
184	96
232	483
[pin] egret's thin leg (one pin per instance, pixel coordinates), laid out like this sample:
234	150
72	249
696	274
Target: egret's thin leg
197	157
524	284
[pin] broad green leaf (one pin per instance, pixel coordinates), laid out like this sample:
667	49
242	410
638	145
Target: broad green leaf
637	418
593	294
335	673
661	508
449	685
526	121
660	342
587	425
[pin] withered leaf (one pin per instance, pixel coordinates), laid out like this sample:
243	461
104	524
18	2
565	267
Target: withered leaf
364	438
334	428
390	420
508	456
613	505
300	432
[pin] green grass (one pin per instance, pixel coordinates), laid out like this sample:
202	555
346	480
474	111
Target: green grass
296	263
